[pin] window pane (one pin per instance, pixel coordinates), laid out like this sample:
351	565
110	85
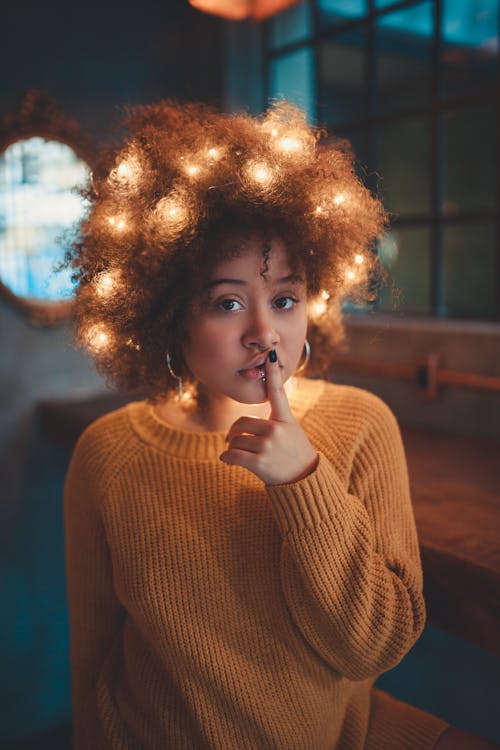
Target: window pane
403	57
470	271
406	255
38	203
404	166
470	174
291	25
470	40
292	77
331	12
341	70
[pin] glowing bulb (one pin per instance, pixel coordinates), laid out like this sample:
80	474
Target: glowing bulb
117	223
350	275
172	210
274	132
128	170
339	199
288	144
130	342
318	309
105	283
97	337
192	170
318	211
325	294
260	172
358	259
214	153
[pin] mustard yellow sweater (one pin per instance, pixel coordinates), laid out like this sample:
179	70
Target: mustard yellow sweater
210	611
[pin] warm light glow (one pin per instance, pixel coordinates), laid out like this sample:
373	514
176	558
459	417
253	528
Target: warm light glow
97	338
105	283
274	132
173	212
130	342
318	211
350	275
128	171
317	308
214	153
325	294
260	173
289	144
339	199
117	222
192	170
358	259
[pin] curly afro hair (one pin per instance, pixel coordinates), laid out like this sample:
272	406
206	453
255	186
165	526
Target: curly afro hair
162	205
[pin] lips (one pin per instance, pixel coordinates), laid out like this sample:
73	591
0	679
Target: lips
255	371
256	363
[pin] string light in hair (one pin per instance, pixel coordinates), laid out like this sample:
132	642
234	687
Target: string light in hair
133	344
172	213
97	338
117	223
339	199
319	306
106	283
359	259
259	173
127	174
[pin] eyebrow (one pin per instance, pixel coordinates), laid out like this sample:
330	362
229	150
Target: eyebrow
291	278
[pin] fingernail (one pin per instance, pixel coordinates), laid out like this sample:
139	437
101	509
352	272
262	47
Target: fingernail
273	356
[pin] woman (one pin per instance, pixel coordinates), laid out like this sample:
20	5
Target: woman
242	558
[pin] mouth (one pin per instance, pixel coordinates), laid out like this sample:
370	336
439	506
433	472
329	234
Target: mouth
257	372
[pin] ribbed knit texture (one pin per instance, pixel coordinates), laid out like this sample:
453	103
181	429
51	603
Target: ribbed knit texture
210	611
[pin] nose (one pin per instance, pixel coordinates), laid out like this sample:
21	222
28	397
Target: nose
260	331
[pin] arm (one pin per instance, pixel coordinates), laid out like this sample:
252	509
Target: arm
95	614
350	564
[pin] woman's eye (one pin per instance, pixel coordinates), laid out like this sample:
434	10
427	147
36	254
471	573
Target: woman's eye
227	304
282	303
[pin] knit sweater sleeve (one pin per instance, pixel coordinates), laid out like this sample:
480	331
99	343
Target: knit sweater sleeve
95	613
350	562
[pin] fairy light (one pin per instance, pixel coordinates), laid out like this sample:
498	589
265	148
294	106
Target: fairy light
318	210
192	170
117	222
172	211
359	259
289	144
260	173
97	338
339	199
350	275
106	282
214	153
324	294
128	171
133	345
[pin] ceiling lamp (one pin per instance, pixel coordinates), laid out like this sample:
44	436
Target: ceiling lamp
237	10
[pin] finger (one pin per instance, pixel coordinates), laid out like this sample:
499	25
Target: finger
280	408
252	425
239	458
246	443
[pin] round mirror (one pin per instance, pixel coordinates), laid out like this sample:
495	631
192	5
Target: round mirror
40	177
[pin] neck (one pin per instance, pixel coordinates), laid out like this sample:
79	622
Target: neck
210	412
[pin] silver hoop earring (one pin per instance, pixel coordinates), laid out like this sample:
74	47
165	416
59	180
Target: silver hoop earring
176	377
307	347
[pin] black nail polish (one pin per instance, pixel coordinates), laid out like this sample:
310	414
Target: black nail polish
273	356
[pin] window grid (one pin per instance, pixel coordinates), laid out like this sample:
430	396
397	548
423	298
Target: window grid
438	105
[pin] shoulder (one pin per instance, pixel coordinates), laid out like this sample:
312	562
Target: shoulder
353	405
106	444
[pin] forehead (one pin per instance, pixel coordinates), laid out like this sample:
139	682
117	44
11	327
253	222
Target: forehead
253	259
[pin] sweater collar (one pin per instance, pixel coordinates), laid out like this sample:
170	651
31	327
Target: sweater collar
206	446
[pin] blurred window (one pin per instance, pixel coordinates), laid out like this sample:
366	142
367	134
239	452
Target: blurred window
413	84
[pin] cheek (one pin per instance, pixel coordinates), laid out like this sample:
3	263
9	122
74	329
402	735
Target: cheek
209	339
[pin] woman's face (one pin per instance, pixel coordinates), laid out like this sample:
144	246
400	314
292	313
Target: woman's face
240	313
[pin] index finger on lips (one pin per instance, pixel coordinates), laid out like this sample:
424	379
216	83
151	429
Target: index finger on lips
280	408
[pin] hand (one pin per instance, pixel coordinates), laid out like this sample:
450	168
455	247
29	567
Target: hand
277	450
